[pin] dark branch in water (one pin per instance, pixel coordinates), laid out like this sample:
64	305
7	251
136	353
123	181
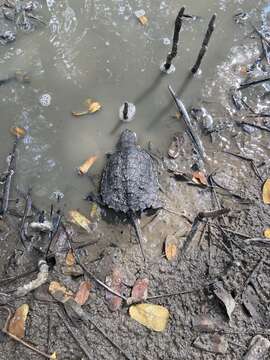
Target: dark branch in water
210	29
125	111
254	82
193	136
8	180
177	28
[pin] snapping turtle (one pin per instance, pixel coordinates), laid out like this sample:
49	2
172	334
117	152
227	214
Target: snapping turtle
129	182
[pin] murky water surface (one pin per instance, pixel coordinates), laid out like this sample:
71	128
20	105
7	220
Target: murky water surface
97	49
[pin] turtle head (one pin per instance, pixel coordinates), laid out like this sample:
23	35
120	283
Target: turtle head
127	139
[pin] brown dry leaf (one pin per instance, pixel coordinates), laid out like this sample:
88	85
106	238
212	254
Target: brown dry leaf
266	233
139	291
266	192
199	178
171	247
77	218
60	292
17	323
114	281
154	317
83	293
18	131
70	259
143	20
86	165
92	107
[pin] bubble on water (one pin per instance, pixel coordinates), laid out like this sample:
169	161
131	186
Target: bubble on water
169	71
45	100
166	41
139	13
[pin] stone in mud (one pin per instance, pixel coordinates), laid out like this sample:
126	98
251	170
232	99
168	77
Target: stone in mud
258	348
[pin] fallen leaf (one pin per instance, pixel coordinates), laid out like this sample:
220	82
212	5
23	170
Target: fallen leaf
226	298
266	233
17	323
171	247
213	343
154	317
143	20
199	178
53	356
79	219
266	192
70	259
114	281
139	291
83	169
83	293
60	292
74	270
18	131
94	107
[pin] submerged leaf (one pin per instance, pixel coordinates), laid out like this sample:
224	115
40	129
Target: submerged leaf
79	219
94	107
83	293
154	317
86	165
266	192
18	131
171	247
17	323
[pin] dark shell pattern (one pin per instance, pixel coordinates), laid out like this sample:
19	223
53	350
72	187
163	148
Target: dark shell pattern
129	181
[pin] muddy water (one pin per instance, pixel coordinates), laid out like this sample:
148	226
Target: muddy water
97	49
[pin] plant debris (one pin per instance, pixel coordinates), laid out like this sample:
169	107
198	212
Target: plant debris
139	291
16	324
115	282
83	293
266	192
83	169
171	247
92	107
226	298
154	317
77	218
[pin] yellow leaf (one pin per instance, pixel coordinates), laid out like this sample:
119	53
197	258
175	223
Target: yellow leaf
17	323
17	131
170	247
70	259
60	292
53	356
266	233
266	192
143	20
94	107
154	317
86	165
79	219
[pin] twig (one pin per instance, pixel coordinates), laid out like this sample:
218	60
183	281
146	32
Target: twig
26	213
83	346
210	29
194	137
177	28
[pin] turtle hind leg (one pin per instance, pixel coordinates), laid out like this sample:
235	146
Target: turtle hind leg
138	230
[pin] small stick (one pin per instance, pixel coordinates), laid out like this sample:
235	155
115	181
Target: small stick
210	29
193	136
26	213
83	346
260	127
177	28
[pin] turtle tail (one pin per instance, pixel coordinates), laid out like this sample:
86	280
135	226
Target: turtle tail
138	230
